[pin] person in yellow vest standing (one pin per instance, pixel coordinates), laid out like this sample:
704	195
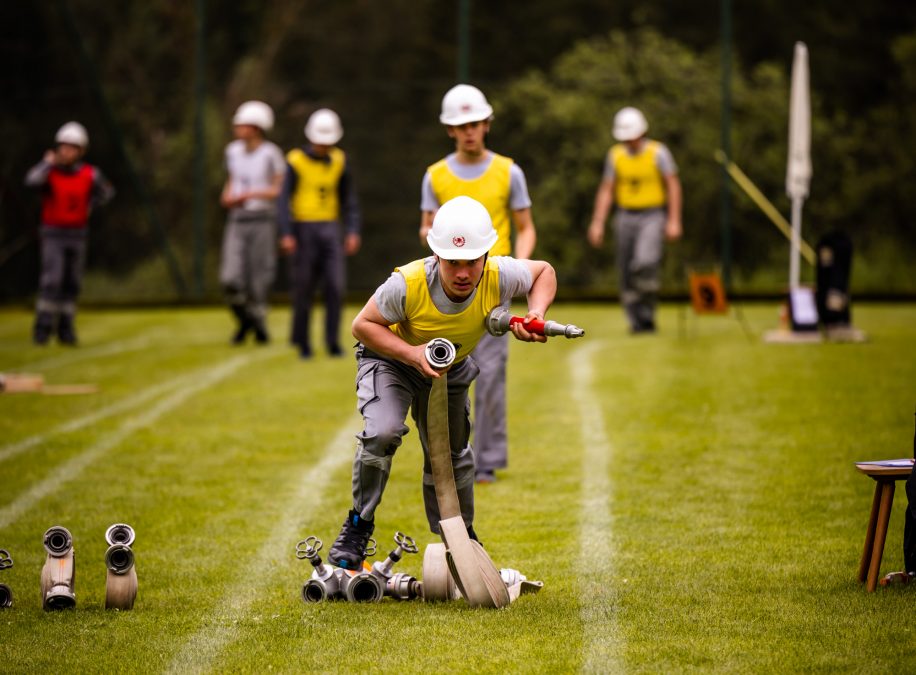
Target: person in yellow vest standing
499	184
447	295
319	194
640	179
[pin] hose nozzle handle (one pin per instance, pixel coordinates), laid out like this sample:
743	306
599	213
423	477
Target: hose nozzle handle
499	320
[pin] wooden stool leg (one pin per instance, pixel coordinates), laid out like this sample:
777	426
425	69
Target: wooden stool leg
870	533
884	516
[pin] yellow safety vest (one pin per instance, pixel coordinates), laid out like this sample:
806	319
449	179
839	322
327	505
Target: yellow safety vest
315	198
638	184
425	322
490	188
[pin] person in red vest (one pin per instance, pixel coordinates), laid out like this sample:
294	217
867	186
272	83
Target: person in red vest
70	188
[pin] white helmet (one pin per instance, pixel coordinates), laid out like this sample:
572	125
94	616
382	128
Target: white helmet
256	114
73	133
462	230
464	103
629	124
323	127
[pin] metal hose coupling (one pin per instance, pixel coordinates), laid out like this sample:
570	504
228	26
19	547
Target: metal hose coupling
500	319
324	583
398	586
6	593
361	586
120	533
57	572
440	353
121	582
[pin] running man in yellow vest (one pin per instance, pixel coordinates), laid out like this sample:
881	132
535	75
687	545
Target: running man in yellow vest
445	295
318	193
640	178
499	184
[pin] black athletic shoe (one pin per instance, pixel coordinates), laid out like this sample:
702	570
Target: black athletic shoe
261	336
239	335
349	550
335	350
44	326
244	321
66	330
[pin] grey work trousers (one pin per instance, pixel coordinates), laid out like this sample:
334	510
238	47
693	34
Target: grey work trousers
491	447
640	240
385	390
319	256
249	262
63	259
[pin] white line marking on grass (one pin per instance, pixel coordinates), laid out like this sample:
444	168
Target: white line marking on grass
202	649
75	465
13	449
600	641
75	356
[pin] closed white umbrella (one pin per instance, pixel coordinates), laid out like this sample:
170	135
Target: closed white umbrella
798	169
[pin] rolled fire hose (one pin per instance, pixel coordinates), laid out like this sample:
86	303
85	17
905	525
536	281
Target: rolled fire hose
121	582
476	576
6	593
499	320
57	573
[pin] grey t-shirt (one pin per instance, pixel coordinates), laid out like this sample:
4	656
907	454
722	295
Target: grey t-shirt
255	170
663	160
391	296
518	186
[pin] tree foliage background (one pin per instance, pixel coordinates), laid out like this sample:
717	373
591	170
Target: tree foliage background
555	72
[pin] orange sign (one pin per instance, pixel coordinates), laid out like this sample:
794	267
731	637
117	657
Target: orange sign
707	294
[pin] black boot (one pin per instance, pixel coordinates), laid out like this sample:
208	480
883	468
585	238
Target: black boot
44	326
244	322
261	336
349	550
66	330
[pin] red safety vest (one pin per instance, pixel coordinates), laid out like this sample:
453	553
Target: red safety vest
66	200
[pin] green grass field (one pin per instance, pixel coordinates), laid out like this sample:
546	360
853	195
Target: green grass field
689	501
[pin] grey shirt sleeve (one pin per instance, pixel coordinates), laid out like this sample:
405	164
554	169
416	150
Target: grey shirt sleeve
608	173
518	189
428	200
391	298
665	161
514	278
38	174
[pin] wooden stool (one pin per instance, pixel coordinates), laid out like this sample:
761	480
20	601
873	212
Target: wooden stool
885	474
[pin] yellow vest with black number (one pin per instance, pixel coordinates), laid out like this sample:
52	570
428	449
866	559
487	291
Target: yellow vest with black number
490	188
315	198
425	322
638	184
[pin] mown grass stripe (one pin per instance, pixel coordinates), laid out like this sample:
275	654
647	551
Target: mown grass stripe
600	643
201	650
11	450
73	467
89	353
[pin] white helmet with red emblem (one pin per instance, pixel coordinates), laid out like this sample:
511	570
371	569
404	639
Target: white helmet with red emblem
462	230
464	103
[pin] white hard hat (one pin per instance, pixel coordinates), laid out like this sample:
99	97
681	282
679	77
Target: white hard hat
256	113
324	127
73	133
464	103
629	124
462	230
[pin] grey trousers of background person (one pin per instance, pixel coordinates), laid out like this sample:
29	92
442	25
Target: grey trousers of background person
63	259
384	391
319	257
640	241
249	261
491	446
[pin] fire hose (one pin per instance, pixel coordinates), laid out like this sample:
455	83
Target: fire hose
121	582
6	593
